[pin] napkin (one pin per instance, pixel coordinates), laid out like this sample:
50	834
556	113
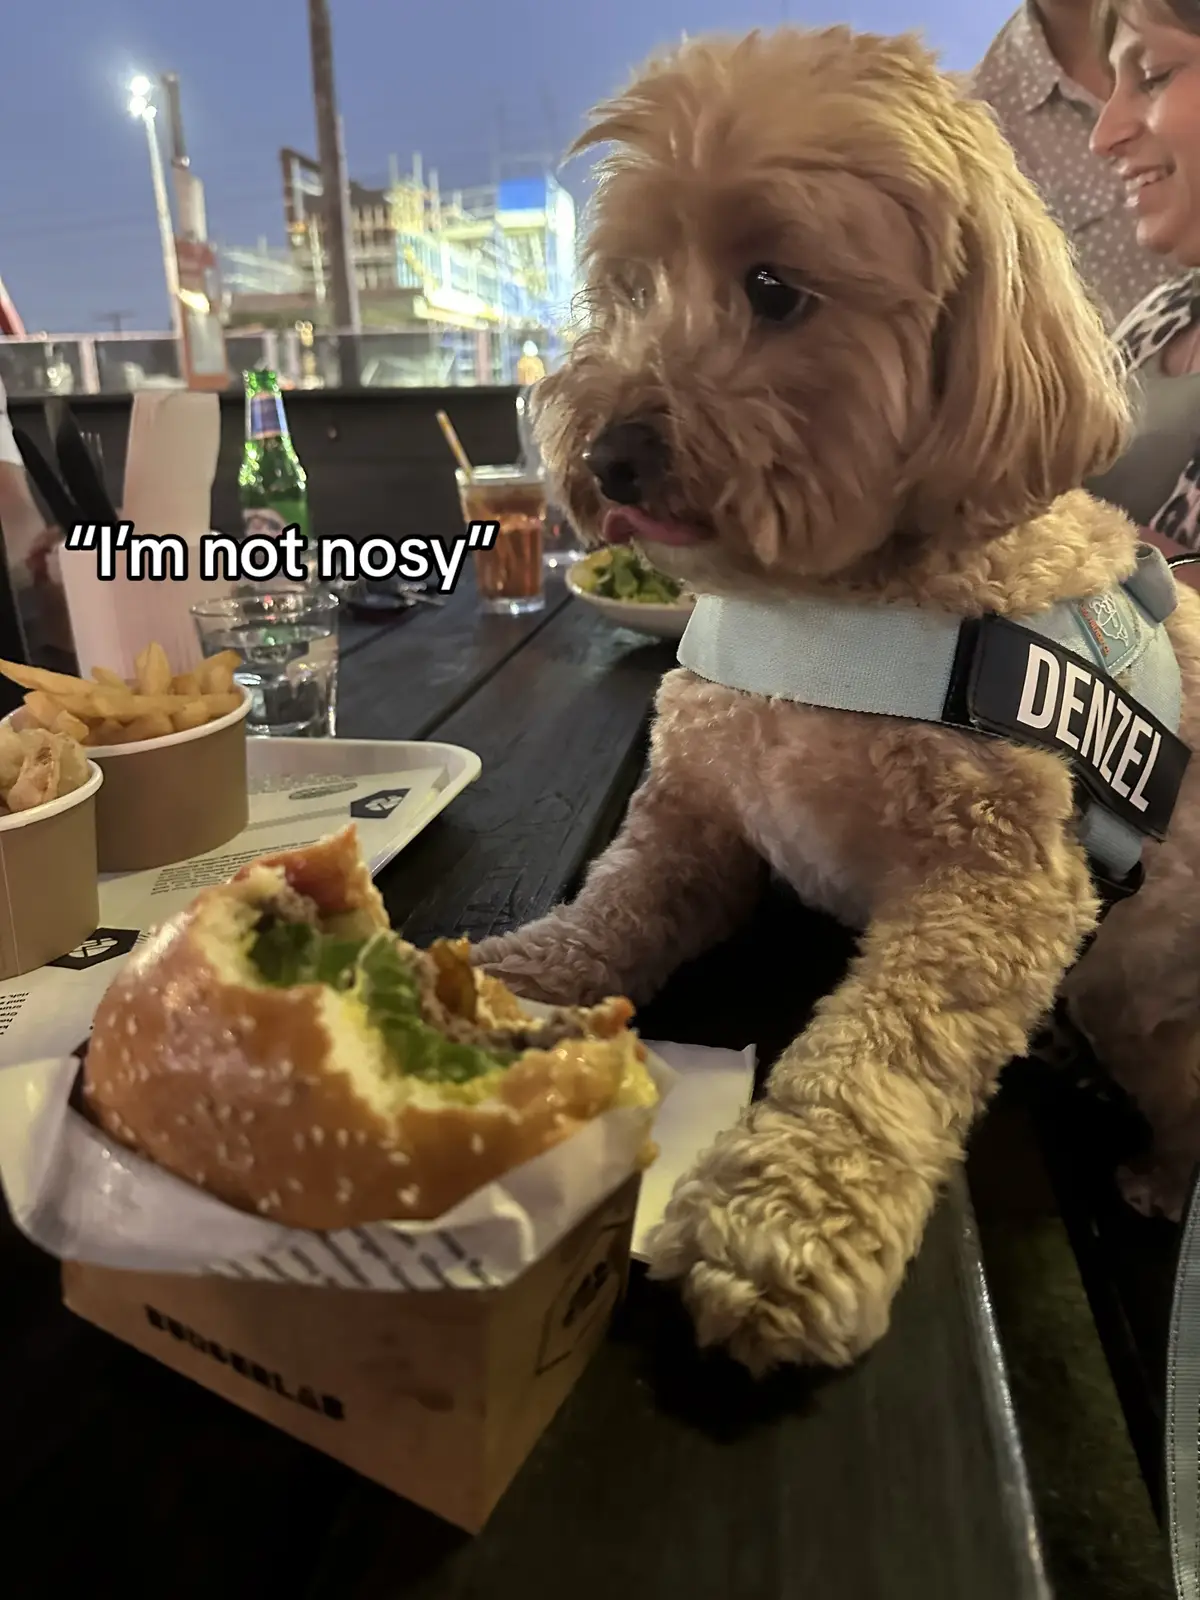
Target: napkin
171	461
711	1090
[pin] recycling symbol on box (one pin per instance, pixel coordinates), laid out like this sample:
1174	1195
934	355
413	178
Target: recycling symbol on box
375	807
103	945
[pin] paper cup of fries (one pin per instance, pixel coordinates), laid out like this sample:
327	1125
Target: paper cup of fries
49	897
172	749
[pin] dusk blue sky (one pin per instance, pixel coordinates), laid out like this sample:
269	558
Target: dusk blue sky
451	78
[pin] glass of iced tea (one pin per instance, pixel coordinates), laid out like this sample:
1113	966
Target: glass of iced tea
509	575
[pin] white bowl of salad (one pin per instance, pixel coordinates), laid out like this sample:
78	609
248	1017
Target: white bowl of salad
623	586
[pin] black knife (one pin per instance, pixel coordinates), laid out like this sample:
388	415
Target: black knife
77	466
58	501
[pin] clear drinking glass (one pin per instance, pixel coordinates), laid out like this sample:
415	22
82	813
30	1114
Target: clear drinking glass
561	545
288	643
509	575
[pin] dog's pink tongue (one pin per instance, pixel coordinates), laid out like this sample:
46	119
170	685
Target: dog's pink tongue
625	523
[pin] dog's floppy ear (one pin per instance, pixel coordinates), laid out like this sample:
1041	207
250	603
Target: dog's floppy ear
1029	396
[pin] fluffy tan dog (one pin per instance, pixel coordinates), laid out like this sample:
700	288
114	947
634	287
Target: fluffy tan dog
836	346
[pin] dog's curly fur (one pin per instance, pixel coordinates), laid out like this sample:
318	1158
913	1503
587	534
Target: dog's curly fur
921	434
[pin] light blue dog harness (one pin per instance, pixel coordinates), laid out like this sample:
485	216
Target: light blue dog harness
1094	679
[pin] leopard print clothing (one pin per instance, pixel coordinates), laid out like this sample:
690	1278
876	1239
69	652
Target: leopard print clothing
1148	329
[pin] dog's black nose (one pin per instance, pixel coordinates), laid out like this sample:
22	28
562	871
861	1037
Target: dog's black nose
628	461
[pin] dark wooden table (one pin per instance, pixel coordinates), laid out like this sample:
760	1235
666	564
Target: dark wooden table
667	1473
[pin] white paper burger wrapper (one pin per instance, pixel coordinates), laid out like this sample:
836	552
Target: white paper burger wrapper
82	1197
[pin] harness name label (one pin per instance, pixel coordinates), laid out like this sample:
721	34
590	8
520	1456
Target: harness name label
1024	687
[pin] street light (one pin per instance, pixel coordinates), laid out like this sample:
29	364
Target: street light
142	109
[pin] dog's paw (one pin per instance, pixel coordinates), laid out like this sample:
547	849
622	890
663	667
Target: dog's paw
540	962
1157	1189
790	1242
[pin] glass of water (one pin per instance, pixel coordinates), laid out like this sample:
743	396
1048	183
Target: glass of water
288	643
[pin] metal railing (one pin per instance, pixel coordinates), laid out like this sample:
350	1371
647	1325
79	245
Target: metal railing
388	358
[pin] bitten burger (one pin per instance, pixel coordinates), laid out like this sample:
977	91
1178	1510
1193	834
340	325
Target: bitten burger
279	1046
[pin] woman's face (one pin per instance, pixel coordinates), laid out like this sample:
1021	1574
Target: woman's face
1150	130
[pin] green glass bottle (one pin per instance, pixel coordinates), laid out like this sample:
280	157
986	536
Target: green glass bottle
272	485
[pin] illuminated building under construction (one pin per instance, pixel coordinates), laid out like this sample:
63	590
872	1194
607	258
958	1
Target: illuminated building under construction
463	280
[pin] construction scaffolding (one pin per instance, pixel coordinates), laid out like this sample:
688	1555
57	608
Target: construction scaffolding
486	271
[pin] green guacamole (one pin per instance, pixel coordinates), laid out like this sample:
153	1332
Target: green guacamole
290	953
624	575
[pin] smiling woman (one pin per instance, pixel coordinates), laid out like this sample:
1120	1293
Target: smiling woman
1149	129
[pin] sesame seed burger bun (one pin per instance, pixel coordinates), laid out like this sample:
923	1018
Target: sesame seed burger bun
294	1100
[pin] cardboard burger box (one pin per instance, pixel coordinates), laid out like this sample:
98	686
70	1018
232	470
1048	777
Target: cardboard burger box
439	1396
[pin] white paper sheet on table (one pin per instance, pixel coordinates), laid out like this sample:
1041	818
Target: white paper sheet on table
711	1090
83	1197
48	1013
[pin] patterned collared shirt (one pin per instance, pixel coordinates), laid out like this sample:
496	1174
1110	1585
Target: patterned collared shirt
1048	119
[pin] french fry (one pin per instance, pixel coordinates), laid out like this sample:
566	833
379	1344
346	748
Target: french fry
83	706
125	707
216	672
154	725
42	708
107	709
153	670
42	678
220	705
194	715
70	726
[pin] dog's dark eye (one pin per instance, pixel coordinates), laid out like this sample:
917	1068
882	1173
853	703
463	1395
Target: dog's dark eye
633	288
772	299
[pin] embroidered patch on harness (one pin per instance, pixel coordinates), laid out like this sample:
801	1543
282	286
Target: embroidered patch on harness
1114	629
1015	683
1105	623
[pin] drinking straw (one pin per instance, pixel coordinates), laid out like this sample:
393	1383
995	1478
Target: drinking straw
452	439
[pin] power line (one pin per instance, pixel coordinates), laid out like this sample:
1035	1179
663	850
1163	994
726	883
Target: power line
117	318
35	215
109	224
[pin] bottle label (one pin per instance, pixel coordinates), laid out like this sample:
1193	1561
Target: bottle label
267	420
263	521
269	521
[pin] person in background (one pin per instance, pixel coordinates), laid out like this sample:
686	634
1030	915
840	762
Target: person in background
26	538
1148	133
1045	80
31	549
530	366
22	522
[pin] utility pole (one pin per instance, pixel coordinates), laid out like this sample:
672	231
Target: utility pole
335	193
166	228
117	318
189	192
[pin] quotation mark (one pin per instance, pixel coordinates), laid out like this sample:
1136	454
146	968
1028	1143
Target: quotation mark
482	535
83	536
